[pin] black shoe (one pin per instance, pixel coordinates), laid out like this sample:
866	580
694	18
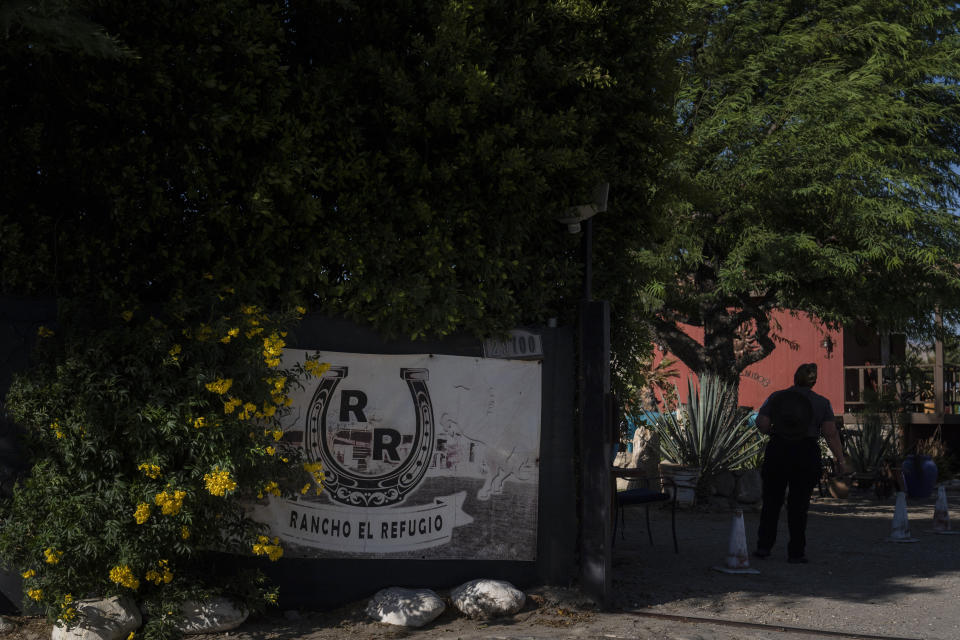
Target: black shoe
761	553
798	560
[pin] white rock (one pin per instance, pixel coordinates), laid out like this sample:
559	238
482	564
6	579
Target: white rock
108	619
487	598
213	616
6	626
405	607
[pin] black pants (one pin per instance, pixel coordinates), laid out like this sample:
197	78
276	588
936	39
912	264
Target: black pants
793	465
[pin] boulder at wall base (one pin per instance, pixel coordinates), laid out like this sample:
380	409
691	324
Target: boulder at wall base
749	487
107	619
405	607
485	599
213	616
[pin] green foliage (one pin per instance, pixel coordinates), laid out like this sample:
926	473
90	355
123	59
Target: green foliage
398	163
404	163
709	431
819	172
872	442
149	434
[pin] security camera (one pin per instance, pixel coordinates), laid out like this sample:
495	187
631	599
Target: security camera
575	215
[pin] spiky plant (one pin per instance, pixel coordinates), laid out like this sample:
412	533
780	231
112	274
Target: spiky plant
708	431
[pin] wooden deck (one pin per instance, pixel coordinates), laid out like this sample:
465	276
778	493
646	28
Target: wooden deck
929	392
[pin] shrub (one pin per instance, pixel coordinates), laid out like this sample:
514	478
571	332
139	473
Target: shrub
708	431
869	443
148	436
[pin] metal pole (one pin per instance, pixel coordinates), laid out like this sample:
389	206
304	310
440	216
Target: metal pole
587	260
938	382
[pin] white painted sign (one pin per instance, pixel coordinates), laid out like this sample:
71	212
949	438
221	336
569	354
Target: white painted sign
425	456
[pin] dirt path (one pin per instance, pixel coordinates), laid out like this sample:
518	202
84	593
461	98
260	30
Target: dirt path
856	585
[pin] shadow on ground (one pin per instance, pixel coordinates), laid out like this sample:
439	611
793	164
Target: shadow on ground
856	580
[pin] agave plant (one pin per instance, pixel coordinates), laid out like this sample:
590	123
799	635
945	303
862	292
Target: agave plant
708	431
869	443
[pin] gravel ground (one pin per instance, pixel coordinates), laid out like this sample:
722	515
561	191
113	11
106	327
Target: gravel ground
856	585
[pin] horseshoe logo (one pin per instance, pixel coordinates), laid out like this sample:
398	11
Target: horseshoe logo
368	465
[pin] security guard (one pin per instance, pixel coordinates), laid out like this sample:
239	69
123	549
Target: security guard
795	418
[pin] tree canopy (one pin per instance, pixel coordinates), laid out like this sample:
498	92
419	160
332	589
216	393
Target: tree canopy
400	163
819	172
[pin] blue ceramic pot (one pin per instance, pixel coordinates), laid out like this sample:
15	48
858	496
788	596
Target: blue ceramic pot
920	474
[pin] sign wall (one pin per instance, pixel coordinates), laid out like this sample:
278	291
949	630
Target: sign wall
425	456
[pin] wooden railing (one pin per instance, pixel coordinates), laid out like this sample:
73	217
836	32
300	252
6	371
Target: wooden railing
918	393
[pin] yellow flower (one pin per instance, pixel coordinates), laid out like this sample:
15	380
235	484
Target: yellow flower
170	503
230	405
219	482
272	488
56	430
315	469
248	410
185	532
122	575
127	315
301	310
250	309
273	349
142	513
199	422
271	451
67	599
203	333
269	410
277	435
306	488
220	386
43	332
149	470
271	597
68	614
254	331
35	594
52	555
316	369
130	636
264	548
162	574
175	352
29	573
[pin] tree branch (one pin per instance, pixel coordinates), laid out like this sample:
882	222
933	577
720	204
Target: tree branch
688	350
765	343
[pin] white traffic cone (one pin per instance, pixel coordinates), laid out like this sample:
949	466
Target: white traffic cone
737	555
941	513
901	527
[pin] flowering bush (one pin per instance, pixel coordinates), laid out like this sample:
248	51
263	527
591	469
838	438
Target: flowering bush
148	436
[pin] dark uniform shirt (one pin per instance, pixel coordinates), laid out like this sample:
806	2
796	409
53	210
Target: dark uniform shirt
821	409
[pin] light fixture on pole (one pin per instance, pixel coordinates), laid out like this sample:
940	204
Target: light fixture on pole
582	214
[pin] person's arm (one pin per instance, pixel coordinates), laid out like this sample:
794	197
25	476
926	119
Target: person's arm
829	431
763	424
